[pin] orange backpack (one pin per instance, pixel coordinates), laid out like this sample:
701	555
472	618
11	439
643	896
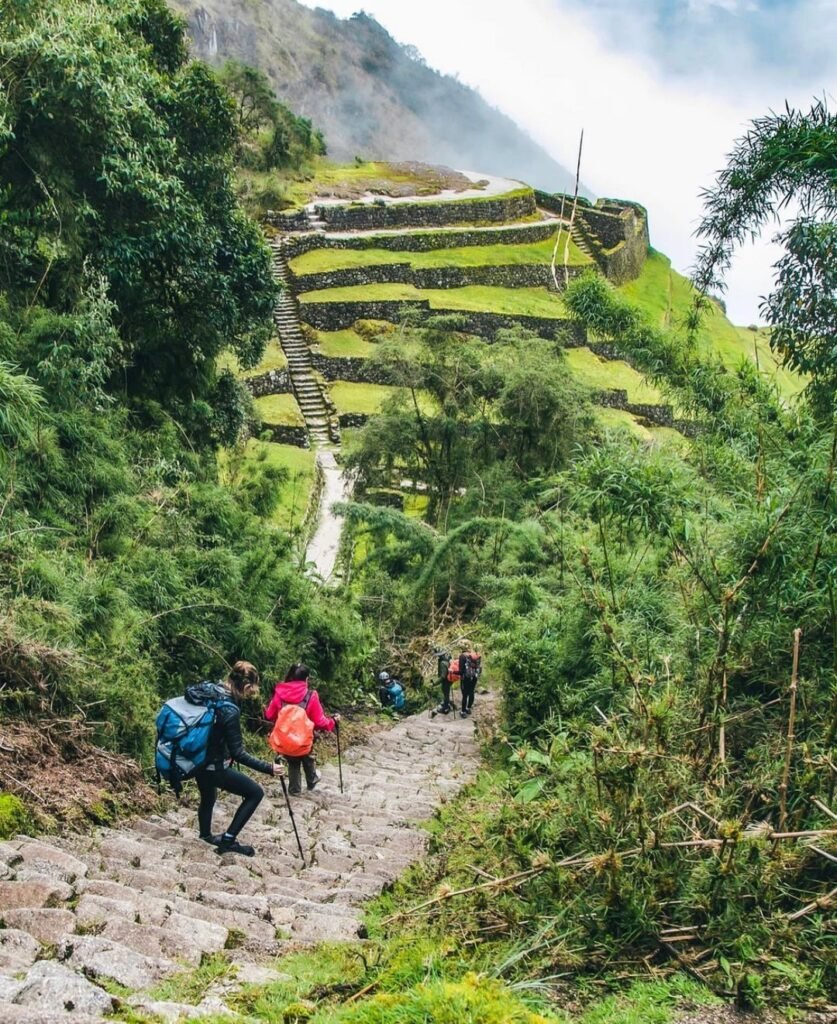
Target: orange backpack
293	730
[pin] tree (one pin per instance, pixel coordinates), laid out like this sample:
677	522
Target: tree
116	157
785	160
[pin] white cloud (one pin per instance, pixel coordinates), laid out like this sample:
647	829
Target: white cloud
651	136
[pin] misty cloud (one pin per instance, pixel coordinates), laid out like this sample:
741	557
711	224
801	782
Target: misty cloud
720	41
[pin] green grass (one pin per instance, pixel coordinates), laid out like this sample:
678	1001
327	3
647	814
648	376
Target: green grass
272	359
619	419
600	373
191	986
328	177
294	492
514	301
13	816
666	296
359	398
319	260
343	344
280	410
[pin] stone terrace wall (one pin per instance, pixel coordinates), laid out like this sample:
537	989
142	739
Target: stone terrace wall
615	229
422	241
336	316
369	216
351	368
511	275
273	382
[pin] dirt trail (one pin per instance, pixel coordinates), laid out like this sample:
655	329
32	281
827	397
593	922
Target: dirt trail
134	905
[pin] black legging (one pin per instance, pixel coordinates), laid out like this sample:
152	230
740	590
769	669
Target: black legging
228	779
468	694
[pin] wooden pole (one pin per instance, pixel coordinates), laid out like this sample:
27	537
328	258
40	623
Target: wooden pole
783	787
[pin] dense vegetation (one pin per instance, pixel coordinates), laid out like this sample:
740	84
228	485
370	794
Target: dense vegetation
663	622
662	618
126	267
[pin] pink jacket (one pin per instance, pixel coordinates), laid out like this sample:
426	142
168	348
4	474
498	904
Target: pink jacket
294	693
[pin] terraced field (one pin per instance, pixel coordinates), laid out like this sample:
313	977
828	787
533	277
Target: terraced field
366	261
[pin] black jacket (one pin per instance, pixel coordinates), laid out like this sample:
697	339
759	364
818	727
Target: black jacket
225	742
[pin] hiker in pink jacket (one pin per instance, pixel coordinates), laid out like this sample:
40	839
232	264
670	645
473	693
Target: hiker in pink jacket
295	690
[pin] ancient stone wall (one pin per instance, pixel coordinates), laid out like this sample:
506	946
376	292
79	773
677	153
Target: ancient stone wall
422	241
351	368
282	433
369	216
511	275
273	382
336	316
616	231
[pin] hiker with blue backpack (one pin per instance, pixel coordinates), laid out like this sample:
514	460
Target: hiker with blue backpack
297	712
199	736
390	692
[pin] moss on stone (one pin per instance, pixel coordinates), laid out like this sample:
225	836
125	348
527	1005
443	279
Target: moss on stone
14	817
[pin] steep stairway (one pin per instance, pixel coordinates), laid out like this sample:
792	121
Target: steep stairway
306	386
123	909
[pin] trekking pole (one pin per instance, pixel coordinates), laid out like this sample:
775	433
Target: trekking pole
339	756
293	821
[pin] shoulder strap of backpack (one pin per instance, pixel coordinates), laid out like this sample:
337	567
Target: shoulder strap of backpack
304	702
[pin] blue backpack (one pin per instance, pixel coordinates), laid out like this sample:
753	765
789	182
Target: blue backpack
396	692
184	727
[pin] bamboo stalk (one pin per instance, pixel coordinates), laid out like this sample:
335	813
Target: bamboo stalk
783	786
722	734
823	808
823	903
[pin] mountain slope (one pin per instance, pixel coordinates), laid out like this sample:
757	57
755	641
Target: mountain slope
371	96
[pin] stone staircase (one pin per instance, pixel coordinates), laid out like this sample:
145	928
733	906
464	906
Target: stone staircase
307	389
123	909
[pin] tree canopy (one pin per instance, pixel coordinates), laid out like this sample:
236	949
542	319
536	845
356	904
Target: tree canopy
116	156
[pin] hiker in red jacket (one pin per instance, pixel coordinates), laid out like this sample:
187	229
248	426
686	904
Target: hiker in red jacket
295	690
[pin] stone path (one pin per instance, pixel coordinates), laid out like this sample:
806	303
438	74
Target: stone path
324	546
307	388
134	905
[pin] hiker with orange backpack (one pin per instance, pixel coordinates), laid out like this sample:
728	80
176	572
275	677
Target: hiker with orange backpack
296	712
469	669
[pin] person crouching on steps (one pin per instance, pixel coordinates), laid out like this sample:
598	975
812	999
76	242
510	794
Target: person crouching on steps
296	691
225	746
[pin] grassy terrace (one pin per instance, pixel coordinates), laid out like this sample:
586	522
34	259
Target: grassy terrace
272	359
479	298
359	398
601	374
666	296
320	260
344	344
280	410
355	179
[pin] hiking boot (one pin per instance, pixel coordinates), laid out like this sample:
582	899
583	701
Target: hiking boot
313	785
463	714
234	846
212	840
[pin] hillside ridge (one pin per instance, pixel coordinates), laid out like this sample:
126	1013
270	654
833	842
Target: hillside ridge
371	96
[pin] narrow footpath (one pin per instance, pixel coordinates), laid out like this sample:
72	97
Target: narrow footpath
132	906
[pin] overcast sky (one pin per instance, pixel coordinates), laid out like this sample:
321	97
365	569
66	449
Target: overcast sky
661	88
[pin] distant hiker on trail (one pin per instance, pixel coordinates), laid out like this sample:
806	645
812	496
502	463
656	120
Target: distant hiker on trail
443	660
390	692
202	730
293	733
470	668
